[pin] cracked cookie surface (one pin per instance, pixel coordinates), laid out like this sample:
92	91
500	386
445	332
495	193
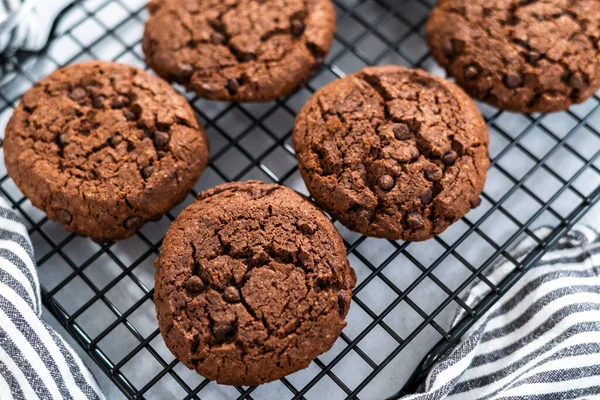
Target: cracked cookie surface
103	147
252	283
392	152
238	50
519	55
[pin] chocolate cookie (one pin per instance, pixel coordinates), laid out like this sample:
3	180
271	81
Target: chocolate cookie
103	147
520	55
238	50
252	284
392	153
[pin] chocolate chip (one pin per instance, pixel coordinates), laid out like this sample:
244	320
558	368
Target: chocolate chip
217	38
78	94
132	222
477	202
512	80
116	140
161	154
186	71
129	115
448	48
450	157
471	72
414	153
231	294
426	197
363	214
99	102
221	329
302	256
532	56
401	131
62	140
194	284
434	174
119	101
454	47
414	220
247	57
233	86
161	138
297	27
318	62
306	228
458	45
577	81
65	217
386	182
344	300
147	171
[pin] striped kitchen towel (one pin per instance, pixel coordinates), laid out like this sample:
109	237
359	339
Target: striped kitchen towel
540	341
35	362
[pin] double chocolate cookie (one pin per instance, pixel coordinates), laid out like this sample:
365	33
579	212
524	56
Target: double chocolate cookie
520	55
393	153
103	147
252	284
238	50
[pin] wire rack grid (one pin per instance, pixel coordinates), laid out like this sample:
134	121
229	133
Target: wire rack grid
545	171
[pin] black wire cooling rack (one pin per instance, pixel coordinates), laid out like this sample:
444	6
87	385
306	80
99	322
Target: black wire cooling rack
545	171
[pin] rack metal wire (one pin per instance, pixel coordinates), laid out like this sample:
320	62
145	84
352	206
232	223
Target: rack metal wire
545	170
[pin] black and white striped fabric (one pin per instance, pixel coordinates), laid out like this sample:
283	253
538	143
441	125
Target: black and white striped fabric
540	341
35	362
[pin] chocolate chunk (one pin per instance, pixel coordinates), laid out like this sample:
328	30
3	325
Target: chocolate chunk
577	81
458	45
306	228
147	171
186	71
194	284
161	154
132	222
161	138
471	72
401	131
116	140
450	158
119	101
318	62
448	48
78	94
217	38
297	27
512	80
61	140
426	197
386	182
477	202
533	56
129	115
233	86
434	174
231	294
302	256
99	102
414	220
344	300
221	329
65	217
